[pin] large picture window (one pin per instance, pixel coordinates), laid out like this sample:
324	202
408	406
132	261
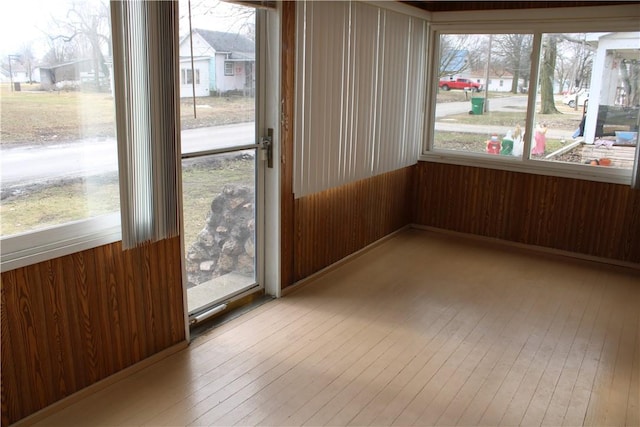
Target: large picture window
559	103
61	190
59	156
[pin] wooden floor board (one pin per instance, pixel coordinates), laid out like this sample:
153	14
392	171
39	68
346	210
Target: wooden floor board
564	363
424	329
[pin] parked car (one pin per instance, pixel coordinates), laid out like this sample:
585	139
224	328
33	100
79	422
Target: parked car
462	84
580	97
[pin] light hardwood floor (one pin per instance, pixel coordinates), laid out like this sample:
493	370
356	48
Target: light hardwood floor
424	329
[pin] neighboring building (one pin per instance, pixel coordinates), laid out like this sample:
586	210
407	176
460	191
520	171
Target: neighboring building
455	64
222	63
73	74
19	73
496	83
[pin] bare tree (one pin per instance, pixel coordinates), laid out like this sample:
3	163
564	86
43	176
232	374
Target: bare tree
514	49
574	61
233	18
630	70
60	51
27	60
547	74
87	26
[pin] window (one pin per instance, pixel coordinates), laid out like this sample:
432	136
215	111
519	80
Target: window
469	114
59	163
228	68
566	103
186	76
593	118
60	186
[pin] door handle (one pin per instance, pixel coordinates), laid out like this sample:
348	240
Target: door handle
266	147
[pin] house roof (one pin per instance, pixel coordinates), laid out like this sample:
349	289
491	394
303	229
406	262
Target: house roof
227	42
65	64
456	61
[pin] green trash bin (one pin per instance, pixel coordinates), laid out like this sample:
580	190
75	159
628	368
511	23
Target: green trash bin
477	106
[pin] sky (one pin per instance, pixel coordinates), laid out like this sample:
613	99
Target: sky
23	22
26	22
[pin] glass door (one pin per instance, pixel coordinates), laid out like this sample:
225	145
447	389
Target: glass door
221	172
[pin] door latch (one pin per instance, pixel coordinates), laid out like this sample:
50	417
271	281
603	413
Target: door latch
266	148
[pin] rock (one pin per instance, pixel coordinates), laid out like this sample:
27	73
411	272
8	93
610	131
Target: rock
226	243
206	265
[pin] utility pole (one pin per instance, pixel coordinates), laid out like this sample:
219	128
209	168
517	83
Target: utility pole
10	75
486	76
10	71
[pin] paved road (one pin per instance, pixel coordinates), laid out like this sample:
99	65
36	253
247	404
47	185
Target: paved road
34	164
511	103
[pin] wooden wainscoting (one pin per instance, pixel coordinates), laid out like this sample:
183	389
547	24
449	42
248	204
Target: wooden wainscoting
338	222
287	86
586	217
70	322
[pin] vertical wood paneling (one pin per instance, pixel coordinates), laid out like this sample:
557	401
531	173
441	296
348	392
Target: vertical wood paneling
591	218
72	321
338	222
288	49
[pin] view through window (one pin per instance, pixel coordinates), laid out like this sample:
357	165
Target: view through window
218	110
58	149
482	93
586	97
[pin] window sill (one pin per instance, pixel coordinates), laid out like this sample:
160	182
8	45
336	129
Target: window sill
42	245
562	170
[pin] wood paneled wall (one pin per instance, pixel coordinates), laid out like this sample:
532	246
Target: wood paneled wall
287	86
591	218
70	322
320	229
338	222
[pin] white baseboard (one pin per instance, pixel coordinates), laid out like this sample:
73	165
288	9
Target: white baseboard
102	384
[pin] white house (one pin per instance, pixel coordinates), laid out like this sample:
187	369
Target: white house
496	83
222	63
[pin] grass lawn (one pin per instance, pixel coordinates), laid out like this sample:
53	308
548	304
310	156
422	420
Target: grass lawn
38	117
44	206
34	116
203	180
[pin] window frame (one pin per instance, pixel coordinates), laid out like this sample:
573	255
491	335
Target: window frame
30	247
54	241
230	65
47	243
529	21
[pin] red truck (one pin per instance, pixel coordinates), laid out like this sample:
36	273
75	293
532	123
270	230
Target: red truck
462	84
